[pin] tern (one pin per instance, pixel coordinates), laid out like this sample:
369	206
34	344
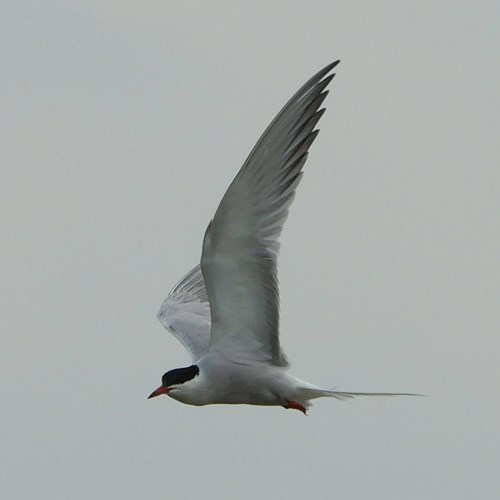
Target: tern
225	311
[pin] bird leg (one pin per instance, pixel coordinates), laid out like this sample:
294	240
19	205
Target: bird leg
293	405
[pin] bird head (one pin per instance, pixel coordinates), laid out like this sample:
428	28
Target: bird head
173	379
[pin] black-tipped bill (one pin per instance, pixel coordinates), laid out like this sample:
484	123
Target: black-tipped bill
161	390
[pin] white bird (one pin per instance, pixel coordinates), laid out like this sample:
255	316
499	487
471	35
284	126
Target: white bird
225	311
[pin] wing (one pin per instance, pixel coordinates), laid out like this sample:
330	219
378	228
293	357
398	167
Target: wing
186	313
241	245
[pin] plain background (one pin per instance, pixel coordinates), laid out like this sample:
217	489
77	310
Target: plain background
123	123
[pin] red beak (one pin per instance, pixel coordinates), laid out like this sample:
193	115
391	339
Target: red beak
161	390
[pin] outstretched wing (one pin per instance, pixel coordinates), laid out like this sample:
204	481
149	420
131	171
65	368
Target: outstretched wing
241	245
186	313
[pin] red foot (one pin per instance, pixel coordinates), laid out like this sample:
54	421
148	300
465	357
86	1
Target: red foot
293	405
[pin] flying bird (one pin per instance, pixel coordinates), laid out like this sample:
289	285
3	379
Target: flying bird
225	311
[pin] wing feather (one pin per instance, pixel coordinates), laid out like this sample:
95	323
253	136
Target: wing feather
186	313
241	243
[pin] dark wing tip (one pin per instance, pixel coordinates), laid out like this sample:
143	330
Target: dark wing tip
317	82
328	68
333	64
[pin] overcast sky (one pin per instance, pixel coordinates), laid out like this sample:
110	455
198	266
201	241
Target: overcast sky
123	122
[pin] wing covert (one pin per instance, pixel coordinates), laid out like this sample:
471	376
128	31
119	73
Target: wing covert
241	243
186	313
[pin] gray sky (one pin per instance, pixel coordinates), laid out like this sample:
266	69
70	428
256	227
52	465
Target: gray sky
123	124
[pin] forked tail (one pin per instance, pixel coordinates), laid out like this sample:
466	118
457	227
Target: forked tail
306	391
316	392
346	395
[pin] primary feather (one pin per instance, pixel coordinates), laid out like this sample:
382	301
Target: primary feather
241	245
186	313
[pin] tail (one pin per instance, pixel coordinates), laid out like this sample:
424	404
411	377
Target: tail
309	391
348	395
304	392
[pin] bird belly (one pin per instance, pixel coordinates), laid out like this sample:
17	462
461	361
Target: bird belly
230	383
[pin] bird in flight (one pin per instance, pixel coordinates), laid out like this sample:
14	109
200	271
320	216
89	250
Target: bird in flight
225	311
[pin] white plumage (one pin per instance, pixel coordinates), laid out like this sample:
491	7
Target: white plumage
225	311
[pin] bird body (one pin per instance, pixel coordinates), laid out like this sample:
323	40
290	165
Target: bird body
222	381
225	311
